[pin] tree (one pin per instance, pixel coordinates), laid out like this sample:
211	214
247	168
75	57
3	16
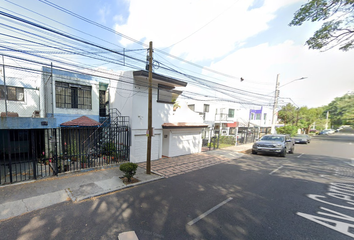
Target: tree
338	28
307	116
341	110
295	118
288	114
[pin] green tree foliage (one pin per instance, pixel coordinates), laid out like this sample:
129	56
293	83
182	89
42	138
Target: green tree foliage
287	129
338	28
302	118
341	110
288	114
129	169
307	116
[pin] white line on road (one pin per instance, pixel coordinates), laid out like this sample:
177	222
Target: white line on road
209	211
352	163
276	170
300	155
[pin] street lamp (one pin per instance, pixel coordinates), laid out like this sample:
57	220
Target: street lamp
276	97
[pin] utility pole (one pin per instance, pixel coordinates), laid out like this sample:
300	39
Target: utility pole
5	89
276	96
326	127
149	133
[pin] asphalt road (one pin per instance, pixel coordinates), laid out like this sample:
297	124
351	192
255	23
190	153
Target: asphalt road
307	195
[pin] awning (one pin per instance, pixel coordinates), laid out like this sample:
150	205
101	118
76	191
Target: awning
234	124
81	122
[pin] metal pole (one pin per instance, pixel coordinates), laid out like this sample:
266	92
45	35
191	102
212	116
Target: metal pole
236	133
5	89
53	95
148	155
276	96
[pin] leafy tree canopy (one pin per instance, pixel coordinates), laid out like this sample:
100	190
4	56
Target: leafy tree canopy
341	110
288	114
338	28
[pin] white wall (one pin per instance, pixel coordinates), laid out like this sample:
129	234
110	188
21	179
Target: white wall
30	84
130	97
182	141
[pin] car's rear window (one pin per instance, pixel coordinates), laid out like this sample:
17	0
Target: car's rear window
273	138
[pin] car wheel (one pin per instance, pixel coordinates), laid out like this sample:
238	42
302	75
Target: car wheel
254	152
283	153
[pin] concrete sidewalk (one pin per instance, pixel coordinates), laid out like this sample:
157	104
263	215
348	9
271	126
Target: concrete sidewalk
20	198
17	199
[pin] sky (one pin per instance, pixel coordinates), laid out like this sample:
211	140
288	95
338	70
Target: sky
248	39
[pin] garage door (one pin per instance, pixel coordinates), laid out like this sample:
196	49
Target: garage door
140	148
184	143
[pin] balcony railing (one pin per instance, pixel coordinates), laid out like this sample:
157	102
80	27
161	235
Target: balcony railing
221	117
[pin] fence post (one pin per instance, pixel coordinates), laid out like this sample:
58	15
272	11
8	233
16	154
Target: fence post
56	152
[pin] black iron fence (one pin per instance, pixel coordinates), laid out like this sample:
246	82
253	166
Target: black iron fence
244	135
36	153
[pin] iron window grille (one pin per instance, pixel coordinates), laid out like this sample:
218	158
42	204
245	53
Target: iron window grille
73	96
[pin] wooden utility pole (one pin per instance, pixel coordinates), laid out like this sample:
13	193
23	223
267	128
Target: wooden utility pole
149	133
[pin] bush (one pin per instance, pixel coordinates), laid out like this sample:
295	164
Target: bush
230	140
129	169
109	148
288	129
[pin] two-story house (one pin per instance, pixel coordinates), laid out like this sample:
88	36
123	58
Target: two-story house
171	135
65	121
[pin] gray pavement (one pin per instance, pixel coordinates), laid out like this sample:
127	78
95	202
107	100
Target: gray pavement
18	199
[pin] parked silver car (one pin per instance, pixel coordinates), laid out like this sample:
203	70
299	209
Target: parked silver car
279	144
302	138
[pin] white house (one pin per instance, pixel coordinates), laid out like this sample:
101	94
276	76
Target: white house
130	95
183	134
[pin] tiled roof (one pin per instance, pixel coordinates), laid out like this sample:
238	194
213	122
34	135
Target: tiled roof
184	125
81	122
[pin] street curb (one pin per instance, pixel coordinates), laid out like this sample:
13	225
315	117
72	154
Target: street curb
79	199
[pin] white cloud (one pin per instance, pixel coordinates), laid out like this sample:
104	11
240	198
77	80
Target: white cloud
228	24
328	73
211	30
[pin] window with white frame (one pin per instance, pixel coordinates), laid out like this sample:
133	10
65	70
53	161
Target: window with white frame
69	95
258	116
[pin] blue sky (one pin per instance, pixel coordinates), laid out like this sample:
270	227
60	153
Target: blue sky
241	38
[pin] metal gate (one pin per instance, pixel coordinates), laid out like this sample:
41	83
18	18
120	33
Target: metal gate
36	153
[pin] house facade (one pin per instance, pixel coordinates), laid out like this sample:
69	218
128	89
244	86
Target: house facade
230	119
34	139
60	121
131	98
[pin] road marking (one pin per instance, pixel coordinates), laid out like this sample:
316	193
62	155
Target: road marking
209	211
131	235
300	155
352	162
276	170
